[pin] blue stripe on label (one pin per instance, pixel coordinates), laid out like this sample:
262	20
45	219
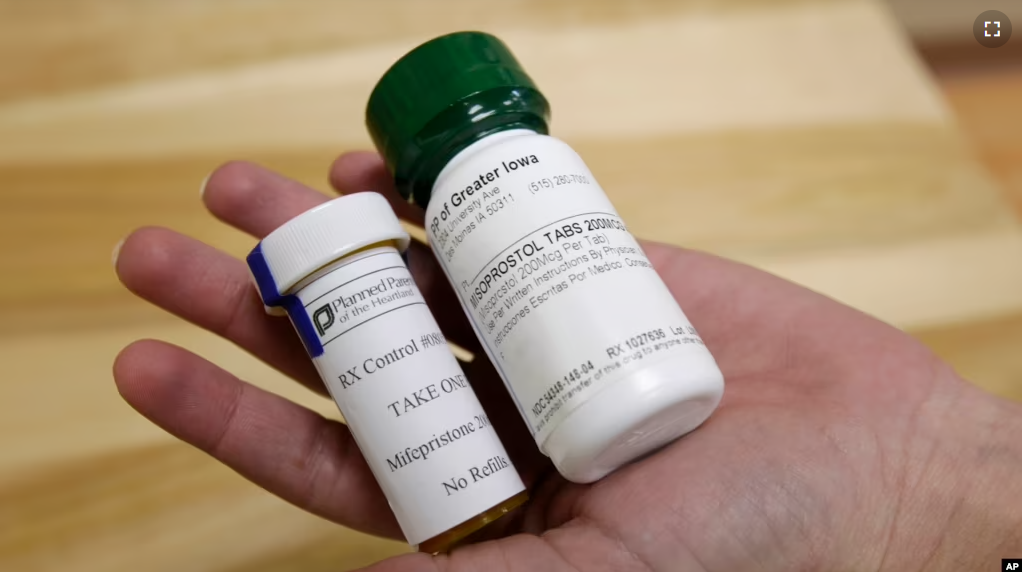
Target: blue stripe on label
291	304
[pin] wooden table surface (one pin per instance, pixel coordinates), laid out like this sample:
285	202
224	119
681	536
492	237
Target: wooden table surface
802	137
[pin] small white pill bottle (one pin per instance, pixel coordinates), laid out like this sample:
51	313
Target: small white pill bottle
338	273
601	361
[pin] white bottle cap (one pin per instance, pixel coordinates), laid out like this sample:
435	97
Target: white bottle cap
320	236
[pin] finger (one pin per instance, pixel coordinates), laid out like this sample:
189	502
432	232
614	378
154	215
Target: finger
360	171
287	449
254	199
257	200
214	291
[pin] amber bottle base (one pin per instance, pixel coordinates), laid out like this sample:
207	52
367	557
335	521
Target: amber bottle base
454	537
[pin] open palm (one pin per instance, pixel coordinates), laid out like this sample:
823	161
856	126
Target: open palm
840	443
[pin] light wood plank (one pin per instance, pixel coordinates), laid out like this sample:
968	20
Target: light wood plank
628	79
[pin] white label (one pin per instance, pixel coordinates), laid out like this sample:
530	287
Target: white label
404	396
561	295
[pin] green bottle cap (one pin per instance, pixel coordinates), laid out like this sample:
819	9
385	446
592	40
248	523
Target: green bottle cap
440	98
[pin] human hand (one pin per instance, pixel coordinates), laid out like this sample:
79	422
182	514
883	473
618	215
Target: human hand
840	443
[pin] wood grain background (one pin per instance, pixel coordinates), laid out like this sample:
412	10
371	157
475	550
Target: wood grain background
804	137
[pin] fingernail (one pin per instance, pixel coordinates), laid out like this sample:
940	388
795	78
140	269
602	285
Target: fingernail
116	252
202	186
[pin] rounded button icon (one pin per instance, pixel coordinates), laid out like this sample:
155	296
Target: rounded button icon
992	29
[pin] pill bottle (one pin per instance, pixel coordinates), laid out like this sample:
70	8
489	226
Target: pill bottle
337	272
601	361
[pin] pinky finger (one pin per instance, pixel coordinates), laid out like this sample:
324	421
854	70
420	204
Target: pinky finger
293	452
